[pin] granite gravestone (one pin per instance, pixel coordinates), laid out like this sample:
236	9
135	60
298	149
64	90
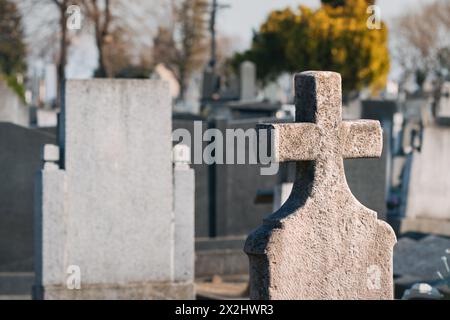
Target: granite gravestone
427	201
105	224
20	159
322	243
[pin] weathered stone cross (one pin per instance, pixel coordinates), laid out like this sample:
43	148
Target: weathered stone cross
322	243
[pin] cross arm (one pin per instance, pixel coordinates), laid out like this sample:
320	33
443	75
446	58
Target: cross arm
362	139
292	141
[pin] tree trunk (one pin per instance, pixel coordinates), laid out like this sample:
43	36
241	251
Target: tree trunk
182	83
101	69
62	60
101	32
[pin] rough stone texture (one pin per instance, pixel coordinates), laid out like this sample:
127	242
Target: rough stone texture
109	209
428	201
11	108
323	243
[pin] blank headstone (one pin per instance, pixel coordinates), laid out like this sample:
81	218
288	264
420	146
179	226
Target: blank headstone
109	210
428	201
248	81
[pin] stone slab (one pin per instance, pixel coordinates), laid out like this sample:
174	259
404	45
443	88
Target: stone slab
109	209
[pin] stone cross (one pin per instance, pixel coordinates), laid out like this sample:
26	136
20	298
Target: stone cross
322	243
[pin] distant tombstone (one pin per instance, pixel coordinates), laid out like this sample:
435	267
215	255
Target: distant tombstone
248	81
105	221
20	159
322	243
443	110
427	199
11	107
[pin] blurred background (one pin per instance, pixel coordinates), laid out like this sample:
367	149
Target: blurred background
230	64
46	42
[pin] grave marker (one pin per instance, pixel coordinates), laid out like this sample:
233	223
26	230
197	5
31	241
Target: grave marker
322	243
109	211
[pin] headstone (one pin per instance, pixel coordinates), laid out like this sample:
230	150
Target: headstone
248	81
443	110
50	83
428	201
11	107
322	243
105	224
20	159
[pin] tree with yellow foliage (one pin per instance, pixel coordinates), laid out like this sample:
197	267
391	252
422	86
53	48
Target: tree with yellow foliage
334	37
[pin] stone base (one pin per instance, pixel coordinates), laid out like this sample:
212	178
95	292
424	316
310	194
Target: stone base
221	262
146	291
425	225
220	256
16	283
